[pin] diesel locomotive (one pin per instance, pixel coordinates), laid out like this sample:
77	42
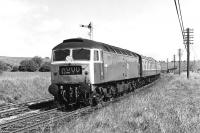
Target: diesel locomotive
88	72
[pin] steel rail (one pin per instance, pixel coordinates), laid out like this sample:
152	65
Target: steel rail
21	121
64	115
8	106
12	112
17	109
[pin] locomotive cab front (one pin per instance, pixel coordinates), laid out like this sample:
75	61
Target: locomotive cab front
72	73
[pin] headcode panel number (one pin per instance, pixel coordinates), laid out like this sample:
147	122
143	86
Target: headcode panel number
70	70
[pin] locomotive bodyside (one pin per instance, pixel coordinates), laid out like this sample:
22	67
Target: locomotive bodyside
116	67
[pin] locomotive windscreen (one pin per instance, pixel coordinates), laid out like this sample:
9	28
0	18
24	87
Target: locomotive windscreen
77	54
81	54
60	55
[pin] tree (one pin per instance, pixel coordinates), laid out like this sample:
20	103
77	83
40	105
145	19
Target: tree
15	68
46	67
38	60
28	65
5	66
2	65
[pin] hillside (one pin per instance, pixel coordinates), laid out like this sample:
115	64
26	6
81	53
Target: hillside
13	60
16	60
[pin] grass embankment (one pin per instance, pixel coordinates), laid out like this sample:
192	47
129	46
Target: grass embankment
16	87
170	106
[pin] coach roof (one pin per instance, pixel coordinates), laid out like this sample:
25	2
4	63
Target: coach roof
85	43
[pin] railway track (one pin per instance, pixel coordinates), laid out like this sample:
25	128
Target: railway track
43	120
13	111
29	103
17	109
46	121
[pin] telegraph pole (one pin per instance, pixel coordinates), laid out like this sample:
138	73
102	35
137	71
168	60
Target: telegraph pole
187	41
188	56
174	62
179	54
90	27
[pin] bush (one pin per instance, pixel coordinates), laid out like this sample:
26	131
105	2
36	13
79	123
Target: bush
5	66
15	69
38	60
28	65
47	58
46	67
2	64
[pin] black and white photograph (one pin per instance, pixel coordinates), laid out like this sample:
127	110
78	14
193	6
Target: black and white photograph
99	66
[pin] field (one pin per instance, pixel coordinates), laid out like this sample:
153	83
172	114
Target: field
170	106
16	87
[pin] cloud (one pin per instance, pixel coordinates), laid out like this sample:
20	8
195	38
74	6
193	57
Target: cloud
49	25
10	8
25	27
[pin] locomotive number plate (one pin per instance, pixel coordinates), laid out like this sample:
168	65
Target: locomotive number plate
70	70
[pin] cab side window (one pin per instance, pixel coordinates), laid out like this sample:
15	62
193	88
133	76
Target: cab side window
96	55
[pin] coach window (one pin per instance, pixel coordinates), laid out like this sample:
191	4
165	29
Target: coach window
96	55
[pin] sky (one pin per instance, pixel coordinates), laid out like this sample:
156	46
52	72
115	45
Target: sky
149	27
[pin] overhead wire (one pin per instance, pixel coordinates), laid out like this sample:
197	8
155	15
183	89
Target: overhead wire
181	16
183	31
180	19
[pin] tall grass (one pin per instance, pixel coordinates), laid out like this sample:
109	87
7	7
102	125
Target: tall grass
16	87
171	106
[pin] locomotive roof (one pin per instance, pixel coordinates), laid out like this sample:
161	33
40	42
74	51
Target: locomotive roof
85	43
148	58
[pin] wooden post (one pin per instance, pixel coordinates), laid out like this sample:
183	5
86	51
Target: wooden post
167	66
174	62
179	54
188	52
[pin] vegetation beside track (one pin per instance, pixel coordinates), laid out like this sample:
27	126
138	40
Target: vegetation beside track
172	105
23	86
